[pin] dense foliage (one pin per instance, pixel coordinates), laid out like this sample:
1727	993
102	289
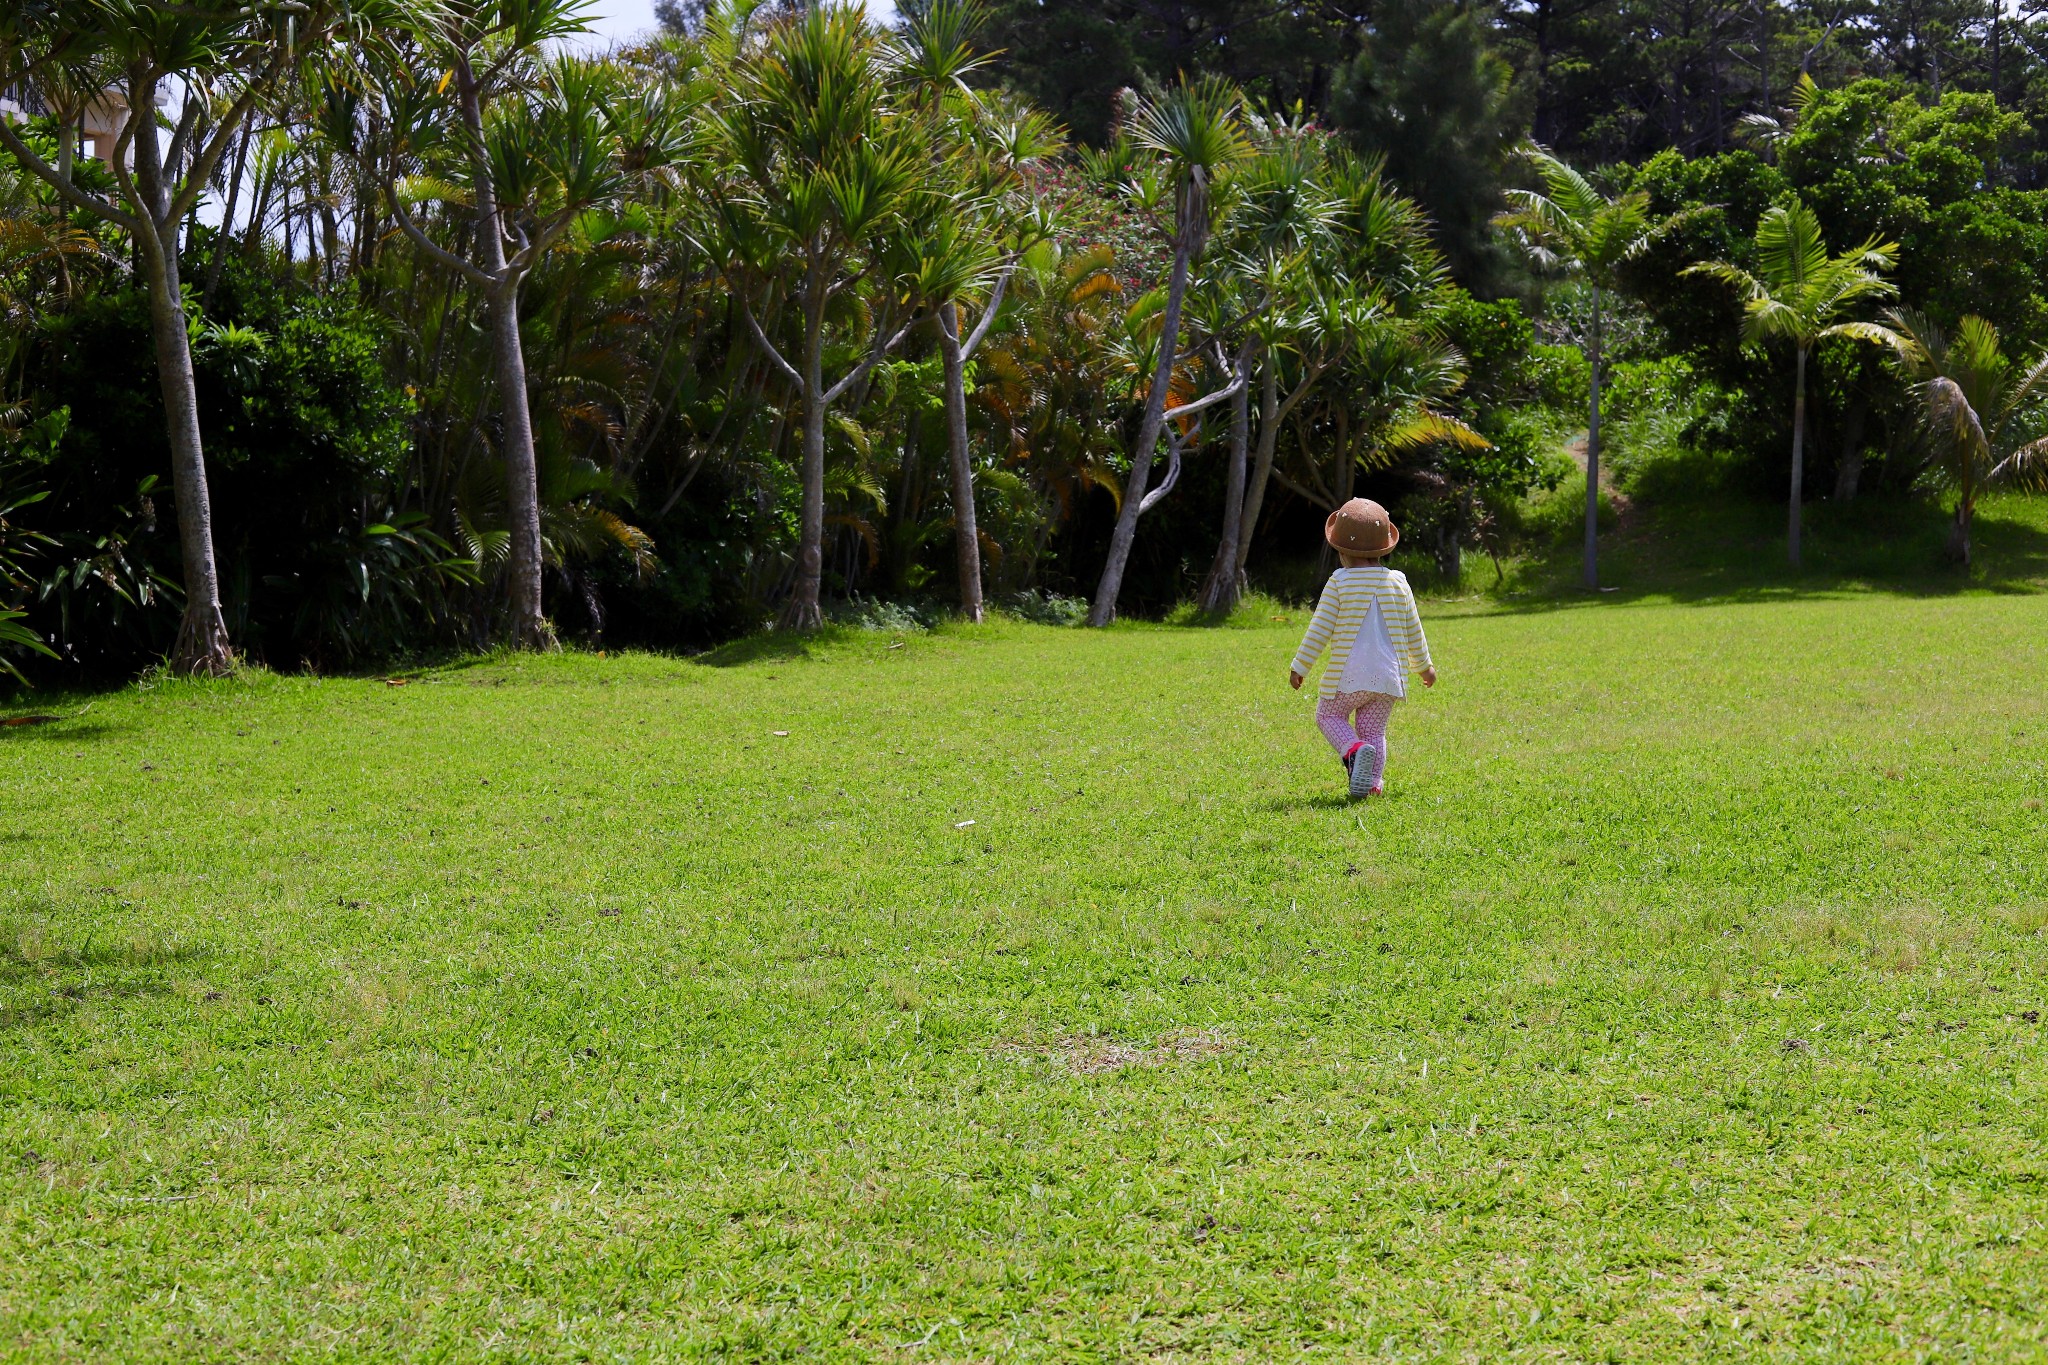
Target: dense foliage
780	313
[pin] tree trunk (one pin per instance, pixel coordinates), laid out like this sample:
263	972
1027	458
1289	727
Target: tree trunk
1262	463
1958	547
903	512
1592	552
966	532
227	215
1103	610
1450	554
1849	473
529	626
805	610
1792	517
202	646
1220	591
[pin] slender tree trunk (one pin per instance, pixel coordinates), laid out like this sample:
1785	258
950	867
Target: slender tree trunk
1958	548
202	647
529	627
1792	518
966	531
1592	554
1220	591
805	610
903	511
1849	473
227	215
1262	464
1103	610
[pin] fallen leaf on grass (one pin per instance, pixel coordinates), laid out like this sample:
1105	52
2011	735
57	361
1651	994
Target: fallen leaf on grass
963	824
28	720
396	682
780	734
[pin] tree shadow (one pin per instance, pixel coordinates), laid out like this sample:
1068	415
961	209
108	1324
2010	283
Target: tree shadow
41	980
769	647
1734	554
61	731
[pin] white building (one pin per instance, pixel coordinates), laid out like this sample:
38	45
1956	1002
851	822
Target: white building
99	128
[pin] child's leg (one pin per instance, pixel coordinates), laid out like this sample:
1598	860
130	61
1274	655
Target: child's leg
1333	718
1374	710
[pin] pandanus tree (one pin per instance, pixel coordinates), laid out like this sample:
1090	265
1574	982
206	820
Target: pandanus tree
1386	401
1798	295
1196	131
973	229
1372	258
1279	215
192	72
1570	227
820	167
1978	411
522	144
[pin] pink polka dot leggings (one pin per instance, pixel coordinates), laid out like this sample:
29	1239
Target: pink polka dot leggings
1355	720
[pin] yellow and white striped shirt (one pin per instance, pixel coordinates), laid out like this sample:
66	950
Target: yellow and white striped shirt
1367	611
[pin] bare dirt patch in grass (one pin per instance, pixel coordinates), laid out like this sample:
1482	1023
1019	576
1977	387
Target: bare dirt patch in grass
1082	1054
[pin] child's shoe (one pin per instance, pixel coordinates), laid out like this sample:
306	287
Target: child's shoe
1361	763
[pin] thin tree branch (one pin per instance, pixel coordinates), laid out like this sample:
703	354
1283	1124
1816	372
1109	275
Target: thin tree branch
187	122
988	316
434	251
216	144
47	173
1208	400
882	348
788	370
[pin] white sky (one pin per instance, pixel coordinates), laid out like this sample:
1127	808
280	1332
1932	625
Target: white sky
614	20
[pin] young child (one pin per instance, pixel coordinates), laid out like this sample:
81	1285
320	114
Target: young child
1367	619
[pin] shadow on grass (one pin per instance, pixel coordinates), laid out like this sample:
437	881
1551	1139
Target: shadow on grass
770	647
1280	805
61	731
1734	553
41	978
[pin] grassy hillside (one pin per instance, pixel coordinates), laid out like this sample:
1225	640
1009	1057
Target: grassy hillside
1036	995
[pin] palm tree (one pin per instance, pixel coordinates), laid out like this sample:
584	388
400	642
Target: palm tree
1196	130
523	145
1975	405
819	166
1798	297
1571	226
213	63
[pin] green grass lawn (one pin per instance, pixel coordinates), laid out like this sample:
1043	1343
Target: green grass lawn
1683	999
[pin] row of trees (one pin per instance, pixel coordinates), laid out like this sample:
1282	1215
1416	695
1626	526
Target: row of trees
1445	89
457	337
743	248
1977	414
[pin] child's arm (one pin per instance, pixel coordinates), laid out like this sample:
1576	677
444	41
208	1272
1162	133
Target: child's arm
1414	644
1320	627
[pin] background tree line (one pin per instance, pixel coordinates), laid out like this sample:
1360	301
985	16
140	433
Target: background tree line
781	315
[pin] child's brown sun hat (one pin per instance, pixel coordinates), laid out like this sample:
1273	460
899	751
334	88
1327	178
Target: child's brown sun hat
1361	527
